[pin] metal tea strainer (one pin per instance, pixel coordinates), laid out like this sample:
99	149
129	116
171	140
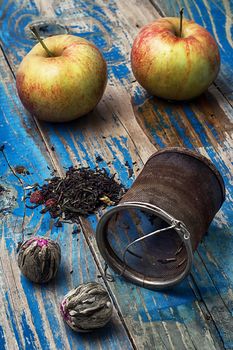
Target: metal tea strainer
150	236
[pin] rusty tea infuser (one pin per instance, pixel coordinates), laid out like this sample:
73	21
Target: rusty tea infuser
151	235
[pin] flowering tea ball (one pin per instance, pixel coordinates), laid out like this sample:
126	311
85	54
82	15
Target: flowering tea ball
87	307
39	259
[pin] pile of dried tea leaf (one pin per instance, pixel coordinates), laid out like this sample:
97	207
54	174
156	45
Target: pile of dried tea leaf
80	192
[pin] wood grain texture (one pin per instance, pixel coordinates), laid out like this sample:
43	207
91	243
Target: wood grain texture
29	316
131	17
127	126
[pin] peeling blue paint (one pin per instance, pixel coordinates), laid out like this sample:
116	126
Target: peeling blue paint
158	140
121	71
51	315
162	123
179	127
122	173
30	289
2	339
28	334
176	305
139	96
11	318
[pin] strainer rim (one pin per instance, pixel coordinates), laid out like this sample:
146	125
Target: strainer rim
117	264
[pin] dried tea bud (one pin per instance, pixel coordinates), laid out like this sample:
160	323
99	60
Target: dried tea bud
39	259
87	307
50	202
36	197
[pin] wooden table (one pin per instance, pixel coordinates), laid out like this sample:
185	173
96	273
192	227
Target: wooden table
125	129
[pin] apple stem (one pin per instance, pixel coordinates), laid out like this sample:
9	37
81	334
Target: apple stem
35	32
181	21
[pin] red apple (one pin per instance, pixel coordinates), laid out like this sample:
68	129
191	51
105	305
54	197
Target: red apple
65	86
174	66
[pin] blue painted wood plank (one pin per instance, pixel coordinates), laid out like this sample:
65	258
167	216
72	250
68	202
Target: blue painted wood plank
154	319
2	339
32	317
206	125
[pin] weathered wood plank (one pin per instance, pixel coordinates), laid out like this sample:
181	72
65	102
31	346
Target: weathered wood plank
180	320
204	124
88	147
216	17
29	316
132	128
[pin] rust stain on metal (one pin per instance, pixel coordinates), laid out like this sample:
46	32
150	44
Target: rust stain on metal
182	179
185	190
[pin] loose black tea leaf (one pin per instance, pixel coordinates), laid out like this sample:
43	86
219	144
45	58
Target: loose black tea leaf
99	159
80	192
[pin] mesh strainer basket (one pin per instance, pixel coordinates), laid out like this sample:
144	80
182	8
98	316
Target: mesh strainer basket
150	236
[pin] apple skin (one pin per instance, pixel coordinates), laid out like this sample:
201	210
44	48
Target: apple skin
64	87
173	67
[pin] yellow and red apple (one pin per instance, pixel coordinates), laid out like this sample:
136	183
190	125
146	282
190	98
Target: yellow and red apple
65	86
175	64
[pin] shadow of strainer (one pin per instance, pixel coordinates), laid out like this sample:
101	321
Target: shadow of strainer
150	236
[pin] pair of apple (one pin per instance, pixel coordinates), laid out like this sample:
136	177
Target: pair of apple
65	77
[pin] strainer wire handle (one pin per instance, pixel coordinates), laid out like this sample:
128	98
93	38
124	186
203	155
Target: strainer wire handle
145	237
121	267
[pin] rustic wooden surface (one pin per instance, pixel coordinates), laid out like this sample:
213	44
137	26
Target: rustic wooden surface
127	126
